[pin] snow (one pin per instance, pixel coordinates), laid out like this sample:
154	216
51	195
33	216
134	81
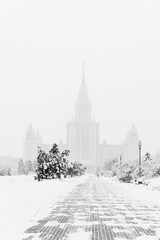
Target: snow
79	235
154	184
149	194
145	237
24	200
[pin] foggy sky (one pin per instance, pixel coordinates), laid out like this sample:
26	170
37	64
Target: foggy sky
42	47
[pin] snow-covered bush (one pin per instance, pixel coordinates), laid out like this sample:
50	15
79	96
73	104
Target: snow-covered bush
125	173
54	164
5	172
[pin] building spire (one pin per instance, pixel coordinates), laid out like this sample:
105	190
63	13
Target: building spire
83	72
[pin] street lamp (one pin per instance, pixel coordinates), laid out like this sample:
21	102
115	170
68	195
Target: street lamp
121	160
140	145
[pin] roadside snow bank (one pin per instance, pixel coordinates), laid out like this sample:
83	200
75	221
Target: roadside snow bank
140	192
154	183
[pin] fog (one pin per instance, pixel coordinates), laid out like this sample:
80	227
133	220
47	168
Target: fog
42	47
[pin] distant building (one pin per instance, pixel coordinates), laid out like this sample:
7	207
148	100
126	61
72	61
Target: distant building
31	143
130	149
83	139
83	132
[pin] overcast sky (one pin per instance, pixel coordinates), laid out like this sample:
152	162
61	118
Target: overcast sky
42	47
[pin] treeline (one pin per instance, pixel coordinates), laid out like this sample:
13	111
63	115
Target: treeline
5	172
26	167
55	164
150	168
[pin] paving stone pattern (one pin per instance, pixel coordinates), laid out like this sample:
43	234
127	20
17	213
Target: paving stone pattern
99	208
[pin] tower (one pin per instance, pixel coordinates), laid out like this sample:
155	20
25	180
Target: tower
130	145
83	132
83	138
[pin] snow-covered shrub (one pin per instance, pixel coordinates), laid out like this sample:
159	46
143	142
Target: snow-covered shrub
156	170
54	164
5	172
123	172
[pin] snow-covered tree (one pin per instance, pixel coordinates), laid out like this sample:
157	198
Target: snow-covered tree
34	166
9	172
21	167
29	166
147	157
54	164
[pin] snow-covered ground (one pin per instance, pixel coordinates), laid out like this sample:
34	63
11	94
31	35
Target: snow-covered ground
149	194
154	183
23	200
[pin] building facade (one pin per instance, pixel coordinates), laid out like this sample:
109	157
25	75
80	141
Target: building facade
31	143
83	132
83	139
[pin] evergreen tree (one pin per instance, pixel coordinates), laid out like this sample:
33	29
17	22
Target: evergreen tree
21	167
147	157
26	168
29	166
55	150
54	164
34	166
110	164
9	172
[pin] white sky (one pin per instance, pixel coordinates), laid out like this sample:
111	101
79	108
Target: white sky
42	47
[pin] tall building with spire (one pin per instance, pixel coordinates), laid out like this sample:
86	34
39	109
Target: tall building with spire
83	131
83	138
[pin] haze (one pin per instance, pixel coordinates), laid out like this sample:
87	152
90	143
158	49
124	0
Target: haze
42	47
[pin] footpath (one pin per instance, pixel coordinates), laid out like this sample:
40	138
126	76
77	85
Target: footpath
98	209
